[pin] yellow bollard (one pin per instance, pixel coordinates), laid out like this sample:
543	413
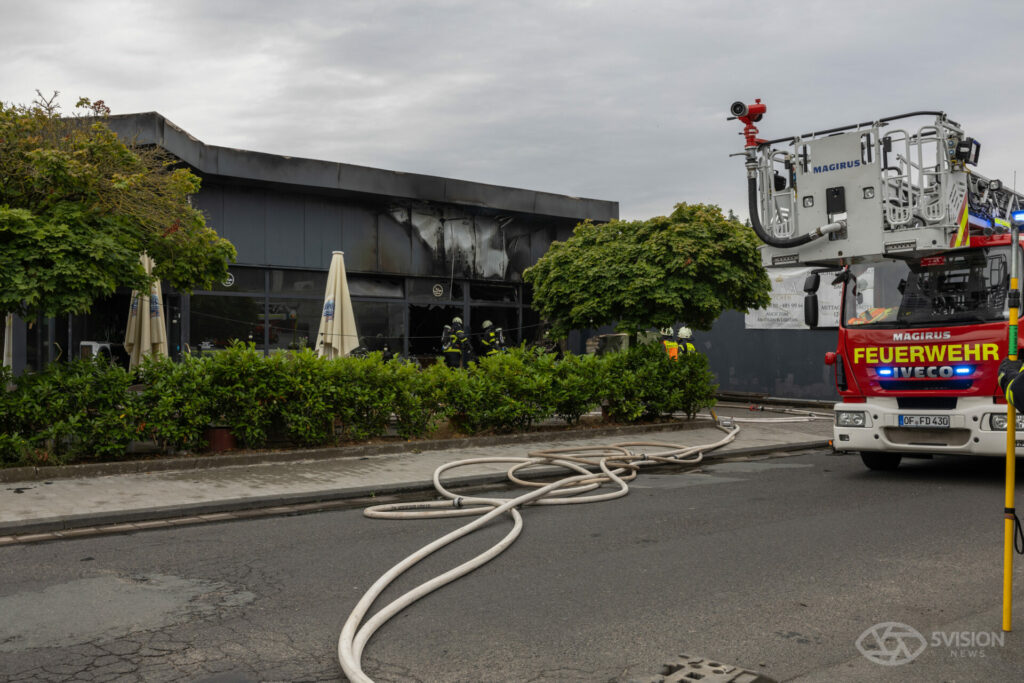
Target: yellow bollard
1011	462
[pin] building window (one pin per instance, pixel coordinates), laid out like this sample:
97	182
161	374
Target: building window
242	279
375	286
435	291
298	282
380	324
293	323
216	320
479	292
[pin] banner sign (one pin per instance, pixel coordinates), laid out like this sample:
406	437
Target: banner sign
786	311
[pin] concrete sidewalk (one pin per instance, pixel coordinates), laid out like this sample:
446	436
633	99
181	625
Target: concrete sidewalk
56	507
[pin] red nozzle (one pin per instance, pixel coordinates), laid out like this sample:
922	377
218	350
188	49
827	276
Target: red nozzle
749	114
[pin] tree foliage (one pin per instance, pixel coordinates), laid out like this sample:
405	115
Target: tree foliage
78	206
686	267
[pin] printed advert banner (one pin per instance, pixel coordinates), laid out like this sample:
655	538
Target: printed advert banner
786	311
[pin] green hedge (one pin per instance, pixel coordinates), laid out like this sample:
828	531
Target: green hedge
91	410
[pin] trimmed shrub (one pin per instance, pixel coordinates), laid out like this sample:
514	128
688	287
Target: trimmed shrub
643	383
81	409
244	389
506	392
419	397
304	411
362	395
175	404
576	386
87	409
15	449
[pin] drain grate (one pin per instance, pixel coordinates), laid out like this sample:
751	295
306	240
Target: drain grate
688	669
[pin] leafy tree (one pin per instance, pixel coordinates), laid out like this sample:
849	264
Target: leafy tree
688	266
78	206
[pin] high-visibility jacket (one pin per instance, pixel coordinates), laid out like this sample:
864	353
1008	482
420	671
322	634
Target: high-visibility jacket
1009	381
490	342
455	346
671	348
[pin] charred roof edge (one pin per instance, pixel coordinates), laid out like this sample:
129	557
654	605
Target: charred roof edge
153	128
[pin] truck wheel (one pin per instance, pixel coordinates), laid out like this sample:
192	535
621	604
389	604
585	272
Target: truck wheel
885	462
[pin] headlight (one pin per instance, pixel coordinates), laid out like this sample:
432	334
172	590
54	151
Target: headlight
997	422
847	418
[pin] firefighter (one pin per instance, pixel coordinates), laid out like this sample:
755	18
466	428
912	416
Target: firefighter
684	339
492	339
454	343
548	345
669	343
1009	376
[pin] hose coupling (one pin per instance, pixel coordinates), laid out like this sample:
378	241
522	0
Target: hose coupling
457	502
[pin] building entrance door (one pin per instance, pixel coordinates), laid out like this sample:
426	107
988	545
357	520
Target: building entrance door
426	322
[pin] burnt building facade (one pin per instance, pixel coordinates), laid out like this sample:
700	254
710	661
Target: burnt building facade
419	250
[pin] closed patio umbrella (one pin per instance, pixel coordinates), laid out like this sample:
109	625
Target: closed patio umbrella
9	341
338	334
146	333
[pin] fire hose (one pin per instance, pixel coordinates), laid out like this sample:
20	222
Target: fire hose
615	465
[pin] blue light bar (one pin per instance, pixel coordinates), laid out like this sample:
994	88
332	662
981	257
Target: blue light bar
884	372
979	221
964	369
1017	217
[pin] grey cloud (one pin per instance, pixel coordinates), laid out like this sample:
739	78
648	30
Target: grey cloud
617	100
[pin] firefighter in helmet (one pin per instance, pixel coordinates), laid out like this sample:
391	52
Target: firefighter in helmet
684	338
492	339
669	343
454	344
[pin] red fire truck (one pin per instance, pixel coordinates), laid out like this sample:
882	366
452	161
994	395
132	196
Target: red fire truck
921	245
920	341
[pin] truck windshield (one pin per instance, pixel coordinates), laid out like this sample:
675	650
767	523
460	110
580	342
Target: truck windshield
955	287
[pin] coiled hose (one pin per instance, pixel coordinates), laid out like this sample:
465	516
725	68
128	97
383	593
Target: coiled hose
616	464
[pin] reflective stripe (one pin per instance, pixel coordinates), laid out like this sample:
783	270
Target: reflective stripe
963	235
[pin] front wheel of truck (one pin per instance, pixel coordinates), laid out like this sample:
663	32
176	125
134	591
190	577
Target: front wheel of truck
885	462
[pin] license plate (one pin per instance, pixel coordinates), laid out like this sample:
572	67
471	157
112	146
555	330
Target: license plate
933	421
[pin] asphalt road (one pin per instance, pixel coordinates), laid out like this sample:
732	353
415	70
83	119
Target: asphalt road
777	565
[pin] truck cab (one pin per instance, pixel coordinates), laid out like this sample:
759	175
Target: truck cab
919	346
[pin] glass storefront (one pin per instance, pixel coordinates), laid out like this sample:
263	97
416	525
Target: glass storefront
217	320
280	309
380	324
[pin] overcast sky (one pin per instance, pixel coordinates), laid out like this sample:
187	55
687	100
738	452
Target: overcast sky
618	100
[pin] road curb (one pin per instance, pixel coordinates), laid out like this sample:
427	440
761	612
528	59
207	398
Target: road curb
180	463
68	522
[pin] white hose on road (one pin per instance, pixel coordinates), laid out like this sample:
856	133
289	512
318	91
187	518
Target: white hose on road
617	465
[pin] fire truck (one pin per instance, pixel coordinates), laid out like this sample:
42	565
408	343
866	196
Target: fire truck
893	210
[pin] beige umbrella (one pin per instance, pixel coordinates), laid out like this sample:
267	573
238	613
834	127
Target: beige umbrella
9	341
338	334
146	333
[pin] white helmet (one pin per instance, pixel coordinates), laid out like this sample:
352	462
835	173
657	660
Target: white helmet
487	325
685	333
666	332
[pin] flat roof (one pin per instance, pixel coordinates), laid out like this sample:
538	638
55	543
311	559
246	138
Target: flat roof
152	128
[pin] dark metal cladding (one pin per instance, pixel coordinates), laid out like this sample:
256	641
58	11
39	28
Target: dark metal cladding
786	363
291	212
